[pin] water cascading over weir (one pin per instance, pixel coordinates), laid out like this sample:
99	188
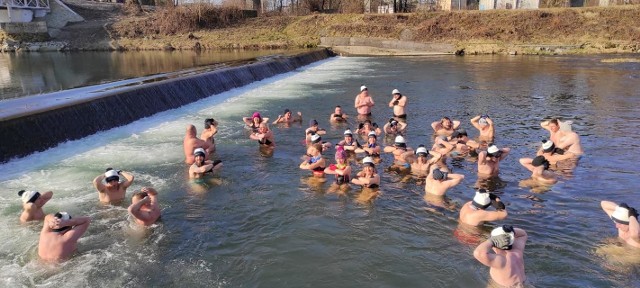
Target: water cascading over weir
25	129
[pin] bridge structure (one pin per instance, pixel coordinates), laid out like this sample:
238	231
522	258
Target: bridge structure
22	10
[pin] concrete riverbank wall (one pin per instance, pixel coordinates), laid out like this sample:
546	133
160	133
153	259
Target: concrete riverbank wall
29	127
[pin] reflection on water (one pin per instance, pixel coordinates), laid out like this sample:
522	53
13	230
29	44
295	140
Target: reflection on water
268	223
23	74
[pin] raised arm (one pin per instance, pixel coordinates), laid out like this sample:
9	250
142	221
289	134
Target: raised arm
129	178
608	207
80	225
484	254
97	183
44	198
520	239
247	120
134	209
435	125
474	122
454	179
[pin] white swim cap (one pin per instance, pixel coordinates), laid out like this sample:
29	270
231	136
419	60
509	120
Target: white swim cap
315	138
500	231
63	216
422	150
483	121
547	146
395	91
368	161
199	151
371	133
348	132
620	215
111	175
362	88
400	140
27	196
482	199
492	149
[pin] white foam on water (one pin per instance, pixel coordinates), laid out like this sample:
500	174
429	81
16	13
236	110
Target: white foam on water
69	169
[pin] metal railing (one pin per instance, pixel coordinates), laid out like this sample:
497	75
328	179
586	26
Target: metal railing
25	4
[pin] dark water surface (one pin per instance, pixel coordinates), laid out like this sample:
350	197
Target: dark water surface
23	74
263	224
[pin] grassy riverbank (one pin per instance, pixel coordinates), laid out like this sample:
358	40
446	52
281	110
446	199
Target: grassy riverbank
545	31
575	30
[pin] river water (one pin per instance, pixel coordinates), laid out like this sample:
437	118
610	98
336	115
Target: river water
262	223
23	74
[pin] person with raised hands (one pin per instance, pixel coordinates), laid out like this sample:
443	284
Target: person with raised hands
439	181
394	128
144	206
398	102
113	190
445	126
364	103
484	124
475	212
32	203
626	221
199	168
503	253
59	236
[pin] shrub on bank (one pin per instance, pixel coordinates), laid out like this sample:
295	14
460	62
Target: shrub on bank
169	20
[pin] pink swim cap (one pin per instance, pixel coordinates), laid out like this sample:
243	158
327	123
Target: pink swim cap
256	115
340	153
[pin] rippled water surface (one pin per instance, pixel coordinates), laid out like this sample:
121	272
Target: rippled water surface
261	223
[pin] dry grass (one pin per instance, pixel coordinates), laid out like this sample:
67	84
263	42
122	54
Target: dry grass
612	29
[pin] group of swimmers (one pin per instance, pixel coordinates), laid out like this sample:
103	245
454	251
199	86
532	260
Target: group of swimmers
502	252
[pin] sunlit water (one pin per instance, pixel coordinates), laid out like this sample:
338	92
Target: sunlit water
262	224
23	74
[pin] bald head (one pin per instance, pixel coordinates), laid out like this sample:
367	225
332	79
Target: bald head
191	130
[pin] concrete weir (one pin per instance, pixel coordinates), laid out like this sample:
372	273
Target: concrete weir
39	122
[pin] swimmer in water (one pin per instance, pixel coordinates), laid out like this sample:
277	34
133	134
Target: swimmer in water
503	253
539	168
192	142
199	168
626	221
400	153
254	121
367	127
371	148
316	139
349	144
442	145
315	162
394	128
59	236
438	181
313	130
32	203
445	126
338	116
420	164
489	161
398	102
462	144
144	206
364	103
210	130
553	154
341	169
112	191
475	212
367	178
568	141
484	124
264	136
287	118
